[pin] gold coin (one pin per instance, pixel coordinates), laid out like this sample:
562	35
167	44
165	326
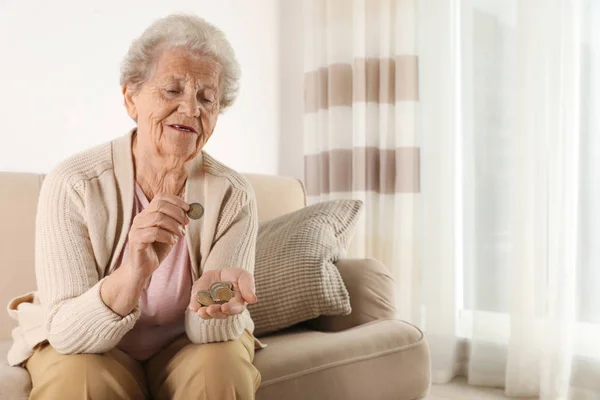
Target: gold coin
213	292
204	298
216	289
222	294
196	211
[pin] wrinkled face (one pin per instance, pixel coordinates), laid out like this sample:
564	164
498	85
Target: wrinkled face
177	109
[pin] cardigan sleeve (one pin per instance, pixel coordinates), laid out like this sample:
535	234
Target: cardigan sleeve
234	246
77	319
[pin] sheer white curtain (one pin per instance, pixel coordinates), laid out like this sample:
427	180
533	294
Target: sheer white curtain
481	183
510	207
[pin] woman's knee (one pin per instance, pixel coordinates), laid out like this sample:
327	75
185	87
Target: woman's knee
230	378
220	370
231	370
82	376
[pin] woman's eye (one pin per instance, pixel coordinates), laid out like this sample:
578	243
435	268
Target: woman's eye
172	91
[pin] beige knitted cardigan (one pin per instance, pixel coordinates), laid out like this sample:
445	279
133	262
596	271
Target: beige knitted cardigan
84	216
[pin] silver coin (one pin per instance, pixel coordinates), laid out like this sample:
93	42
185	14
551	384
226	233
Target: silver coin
196	211
216	285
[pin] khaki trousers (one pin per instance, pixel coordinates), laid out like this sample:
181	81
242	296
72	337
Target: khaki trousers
182	370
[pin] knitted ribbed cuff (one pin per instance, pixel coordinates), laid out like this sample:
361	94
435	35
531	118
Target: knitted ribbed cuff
214	330
86	324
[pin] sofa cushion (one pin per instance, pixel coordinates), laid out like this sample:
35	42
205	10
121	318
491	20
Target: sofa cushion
18	206
15	383
372	295
296	279
276	195
385	359
390	355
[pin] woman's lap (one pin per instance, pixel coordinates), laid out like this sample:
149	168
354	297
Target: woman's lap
181	370
185	370
79	376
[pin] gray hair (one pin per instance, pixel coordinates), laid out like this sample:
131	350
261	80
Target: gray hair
191	33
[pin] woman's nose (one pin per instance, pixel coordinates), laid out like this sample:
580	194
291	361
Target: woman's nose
190	106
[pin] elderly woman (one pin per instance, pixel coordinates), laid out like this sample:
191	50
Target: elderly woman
119	262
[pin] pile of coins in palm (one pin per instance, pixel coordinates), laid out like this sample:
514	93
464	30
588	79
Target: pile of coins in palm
219	293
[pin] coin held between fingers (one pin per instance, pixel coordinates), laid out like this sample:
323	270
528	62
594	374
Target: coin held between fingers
196	211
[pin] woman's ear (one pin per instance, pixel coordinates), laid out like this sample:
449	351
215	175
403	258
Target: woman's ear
128	96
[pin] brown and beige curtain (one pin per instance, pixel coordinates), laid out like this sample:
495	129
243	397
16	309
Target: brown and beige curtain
360	126
478	162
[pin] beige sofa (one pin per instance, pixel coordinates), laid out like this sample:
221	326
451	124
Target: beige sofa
367	355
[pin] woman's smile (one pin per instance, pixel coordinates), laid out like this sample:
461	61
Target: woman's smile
182	128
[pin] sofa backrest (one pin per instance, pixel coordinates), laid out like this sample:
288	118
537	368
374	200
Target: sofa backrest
18	202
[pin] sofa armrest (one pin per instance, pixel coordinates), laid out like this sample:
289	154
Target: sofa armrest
372	295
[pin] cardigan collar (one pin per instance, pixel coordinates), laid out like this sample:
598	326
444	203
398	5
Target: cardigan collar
124	175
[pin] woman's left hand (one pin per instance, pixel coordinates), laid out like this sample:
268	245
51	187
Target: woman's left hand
244	292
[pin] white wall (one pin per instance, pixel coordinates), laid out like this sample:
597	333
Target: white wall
291	151
59	78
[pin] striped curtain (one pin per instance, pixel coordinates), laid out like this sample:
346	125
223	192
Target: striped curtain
360	127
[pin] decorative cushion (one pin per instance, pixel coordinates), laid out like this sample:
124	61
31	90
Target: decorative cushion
296	279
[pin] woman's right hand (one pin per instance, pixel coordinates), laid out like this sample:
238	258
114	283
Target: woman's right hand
154	232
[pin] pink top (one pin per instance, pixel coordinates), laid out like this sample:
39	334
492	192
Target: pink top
164	300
